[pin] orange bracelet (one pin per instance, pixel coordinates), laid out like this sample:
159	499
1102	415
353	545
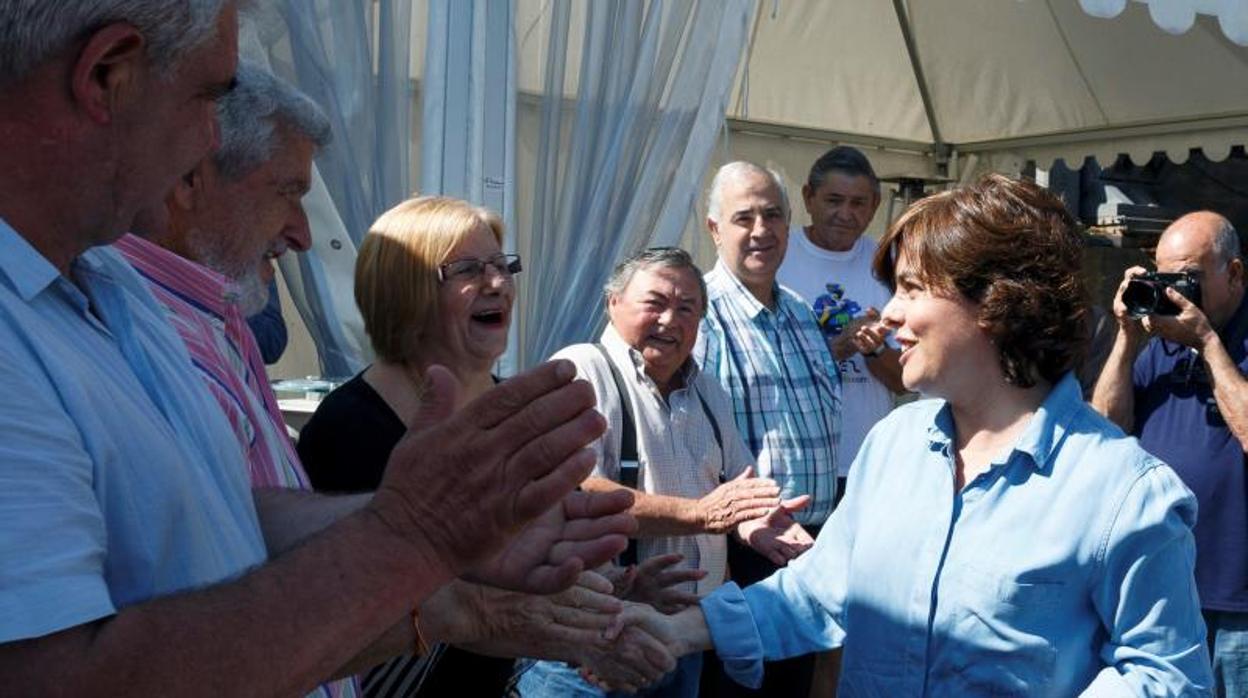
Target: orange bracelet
421	647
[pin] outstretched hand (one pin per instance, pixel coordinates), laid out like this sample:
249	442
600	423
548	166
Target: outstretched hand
657	581
740	499
777	536
460	486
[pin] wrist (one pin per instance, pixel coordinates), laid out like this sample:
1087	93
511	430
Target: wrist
1207	341
875	353
409	545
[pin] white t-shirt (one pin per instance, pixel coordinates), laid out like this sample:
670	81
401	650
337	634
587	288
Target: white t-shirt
839	287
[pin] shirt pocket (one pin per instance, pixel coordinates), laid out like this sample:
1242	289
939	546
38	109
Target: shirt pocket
1001	632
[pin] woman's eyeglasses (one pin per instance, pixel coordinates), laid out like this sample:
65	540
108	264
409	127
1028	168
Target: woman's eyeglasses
472	269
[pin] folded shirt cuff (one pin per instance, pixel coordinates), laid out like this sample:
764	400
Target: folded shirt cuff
734	634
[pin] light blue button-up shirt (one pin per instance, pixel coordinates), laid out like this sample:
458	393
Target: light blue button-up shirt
120	479
1065	568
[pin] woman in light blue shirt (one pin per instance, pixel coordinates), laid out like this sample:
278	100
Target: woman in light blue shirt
1001	538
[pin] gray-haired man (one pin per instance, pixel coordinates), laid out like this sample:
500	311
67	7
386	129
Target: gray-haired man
133	559
673	443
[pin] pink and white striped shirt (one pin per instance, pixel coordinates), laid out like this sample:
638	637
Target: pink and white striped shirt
202	306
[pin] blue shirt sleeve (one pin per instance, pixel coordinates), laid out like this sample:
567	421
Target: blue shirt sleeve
52	534
797	610
1154	647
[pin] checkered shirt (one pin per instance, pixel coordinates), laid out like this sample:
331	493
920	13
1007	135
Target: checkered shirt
784	385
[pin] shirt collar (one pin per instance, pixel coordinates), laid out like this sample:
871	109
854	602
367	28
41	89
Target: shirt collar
194	282
723	279
1043	433
28	271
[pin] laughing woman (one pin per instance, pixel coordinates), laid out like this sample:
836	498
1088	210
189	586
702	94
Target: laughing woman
433	287
1039	551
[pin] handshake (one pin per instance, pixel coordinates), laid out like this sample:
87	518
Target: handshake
620	634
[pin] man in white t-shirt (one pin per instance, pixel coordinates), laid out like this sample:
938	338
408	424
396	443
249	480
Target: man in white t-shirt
829	265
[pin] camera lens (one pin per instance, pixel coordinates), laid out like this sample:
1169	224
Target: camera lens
1141	297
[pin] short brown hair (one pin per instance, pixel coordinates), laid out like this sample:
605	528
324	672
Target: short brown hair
396	272
1012	248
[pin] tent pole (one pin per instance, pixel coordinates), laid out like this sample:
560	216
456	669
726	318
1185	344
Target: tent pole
903	23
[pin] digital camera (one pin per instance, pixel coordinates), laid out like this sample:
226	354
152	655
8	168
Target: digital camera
1146	294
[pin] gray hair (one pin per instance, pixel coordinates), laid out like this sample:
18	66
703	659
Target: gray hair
734	171
33	31
660	257
846	160
250	114
1226	242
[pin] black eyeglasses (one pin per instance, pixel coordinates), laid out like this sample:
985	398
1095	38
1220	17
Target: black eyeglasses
471	269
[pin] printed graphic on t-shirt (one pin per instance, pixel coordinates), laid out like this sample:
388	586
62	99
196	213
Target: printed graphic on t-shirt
834	311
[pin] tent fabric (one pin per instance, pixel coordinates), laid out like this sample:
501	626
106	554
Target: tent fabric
1037	79
981	85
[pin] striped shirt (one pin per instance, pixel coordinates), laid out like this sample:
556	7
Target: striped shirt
785	387
202	306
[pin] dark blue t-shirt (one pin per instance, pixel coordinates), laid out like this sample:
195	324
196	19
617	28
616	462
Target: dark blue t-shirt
1177	420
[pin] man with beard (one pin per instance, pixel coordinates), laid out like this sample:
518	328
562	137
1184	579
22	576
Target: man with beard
232	215
133	557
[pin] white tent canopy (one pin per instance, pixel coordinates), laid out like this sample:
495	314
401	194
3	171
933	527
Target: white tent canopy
1008	80
936	87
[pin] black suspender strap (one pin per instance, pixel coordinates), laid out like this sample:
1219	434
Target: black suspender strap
630	465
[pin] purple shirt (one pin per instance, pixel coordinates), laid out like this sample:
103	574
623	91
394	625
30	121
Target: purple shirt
1177	420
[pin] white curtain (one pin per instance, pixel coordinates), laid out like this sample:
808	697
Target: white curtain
353	58
625	134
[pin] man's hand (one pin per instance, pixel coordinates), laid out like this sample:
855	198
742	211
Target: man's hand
1128	324
656	581
740	499
507	624
642	654
1190	327
861	336
586	529
777	536
458	487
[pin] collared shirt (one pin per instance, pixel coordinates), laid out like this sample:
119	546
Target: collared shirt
1178	420
203	308
840	287
676	443
110	490
784	385
1066	567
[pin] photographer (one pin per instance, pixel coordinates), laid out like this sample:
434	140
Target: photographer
1177	382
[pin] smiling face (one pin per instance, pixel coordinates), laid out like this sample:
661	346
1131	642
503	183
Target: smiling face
944	352
474	313
752	234
657	314
840	209
243	225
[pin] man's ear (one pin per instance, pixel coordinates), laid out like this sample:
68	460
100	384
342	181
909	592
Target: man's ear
1235	271
875	205
188	190
713	227
107	70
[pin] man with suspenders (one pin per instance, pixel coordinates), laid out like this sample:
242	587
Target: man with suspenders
671	438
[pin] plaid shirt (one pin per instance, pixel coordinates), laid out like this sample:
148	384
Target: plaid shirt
785	387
